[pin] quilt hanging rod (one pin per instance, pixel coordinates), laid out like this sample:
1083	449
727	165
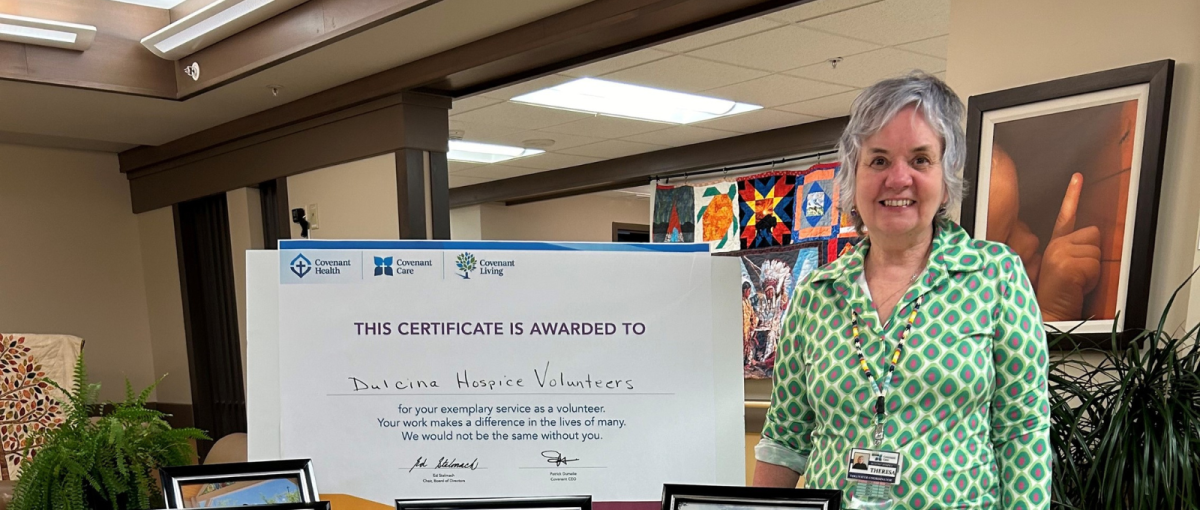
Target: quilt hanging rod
667	178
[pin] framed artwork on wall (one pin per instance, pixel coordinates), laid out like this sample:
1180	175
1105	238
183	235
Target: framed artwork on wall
718	497
240	484
1067	173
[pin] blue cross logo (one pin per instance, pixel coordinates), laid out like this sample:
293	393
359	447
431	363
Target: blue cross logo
301	265
383	266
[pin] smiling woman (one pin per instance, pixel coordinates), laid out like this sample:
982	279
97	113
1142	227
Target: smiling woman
917	306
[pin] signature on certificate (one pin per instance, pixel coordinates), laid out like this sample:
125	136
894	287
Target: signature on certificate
444	463
556	458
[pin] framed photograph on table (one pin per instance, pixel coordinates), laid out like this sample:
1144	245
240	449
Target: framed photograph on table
718	497
240	484
1067	173
517	503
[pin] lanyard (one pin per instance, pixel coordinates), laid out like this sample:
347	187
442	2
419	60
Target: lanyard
881	388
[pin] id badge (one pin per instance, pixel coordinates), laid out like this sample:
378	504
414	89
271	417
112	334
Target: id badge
876	466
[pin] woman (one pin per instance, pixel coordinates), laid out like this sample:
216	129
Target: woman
921	341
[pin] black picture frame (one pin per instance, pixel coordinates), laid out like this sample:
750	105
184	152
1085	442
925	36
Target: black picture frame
1156	77
174	478
506	503
755	498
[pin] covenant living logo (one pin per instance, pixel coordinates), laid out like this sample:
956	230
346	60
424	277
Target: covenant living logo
467	263
301	266
392	266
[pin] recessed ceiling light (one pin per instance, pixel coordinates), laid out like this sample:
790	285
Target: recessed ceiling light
45	32
210	24
474	152
634	101
161	4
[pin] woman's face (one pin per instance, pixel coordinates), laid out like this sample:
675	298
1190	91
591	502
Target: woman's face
899	183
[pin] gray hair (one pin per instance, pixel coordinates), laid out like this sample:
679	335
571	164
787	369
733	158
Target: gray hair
879	104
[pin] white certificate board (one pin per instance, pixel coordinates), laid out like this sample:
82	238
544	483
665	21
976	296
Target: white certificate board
433	369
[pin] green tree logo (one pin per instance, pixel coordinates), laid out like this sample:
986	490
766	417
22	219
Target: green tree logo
466	264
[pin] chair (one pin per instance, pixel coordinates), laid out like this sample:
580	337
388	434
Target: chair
228	449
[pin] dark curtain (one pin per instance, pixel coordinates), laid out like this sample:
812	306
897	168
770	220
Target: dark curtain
210	316
277	220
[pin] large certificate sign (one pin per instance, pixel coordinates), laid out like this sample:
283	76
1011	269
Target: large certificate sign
435	369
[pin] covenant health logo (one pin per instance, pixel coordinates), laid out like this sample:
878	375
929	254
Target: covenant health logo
392	266
301	266
467	263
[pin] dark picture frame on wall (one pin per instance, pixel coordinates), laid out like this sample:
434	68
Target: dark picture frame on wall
508	503
240	484
1068	174
722	497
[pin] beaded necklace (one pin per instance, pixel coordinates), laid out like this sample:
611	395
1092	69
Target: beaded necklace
880	388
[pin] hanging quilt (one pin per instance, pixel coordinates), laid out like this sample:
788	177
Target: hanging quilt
674	213
768	278
767	208
817	214
716	216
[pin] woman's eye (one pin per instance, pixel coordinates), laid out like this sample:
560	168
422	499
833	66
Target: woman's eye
878	163
921	161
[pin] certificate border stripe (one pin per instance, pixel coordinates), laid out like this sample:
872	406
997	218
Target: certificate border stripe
309	244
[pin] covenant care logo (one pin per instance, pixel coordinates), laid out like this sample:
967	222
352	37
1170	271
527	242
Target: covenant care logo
467	263
391	266
301	265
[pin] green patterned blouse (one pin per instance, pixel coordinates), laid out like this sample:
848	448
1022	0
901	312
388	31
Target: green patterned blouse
968	408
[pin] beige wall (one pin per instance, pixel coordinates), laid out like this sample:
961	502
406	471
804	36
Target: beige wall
999	45
160	268
466	223
71	261
579	218
245	233
356	200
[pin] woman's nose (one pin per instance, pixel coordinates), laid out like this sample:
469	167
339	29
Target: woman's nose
899	175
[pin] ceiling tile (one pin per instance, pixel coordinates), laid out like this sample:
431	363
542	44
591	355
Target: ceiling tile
552	161
866	69
815	9
603	126
775	90
685	74
934	47
889	23
512	91
520	116
610	149
490	133
681	135
719	35
472	103
457	181
458	166
783	48
758	120
618	63
496	171
837	105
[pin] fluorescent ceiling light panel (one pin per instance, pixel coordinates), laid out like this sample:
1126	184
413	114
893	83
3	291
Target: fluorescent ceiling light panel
634	101
212	23
473	152
44	32
161	4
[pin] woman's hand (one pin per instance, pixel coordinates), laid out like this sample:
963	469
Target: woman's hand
1070	266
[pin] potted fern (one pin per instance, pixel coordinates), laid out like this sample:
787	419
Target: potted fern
103	463
1125	422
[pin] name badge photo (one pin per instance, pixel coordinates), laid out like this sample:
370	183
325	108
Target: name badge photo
874	466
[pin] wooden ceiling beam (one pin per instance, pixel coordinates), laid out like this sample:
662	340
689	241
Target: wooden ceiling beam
590	32
640	169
